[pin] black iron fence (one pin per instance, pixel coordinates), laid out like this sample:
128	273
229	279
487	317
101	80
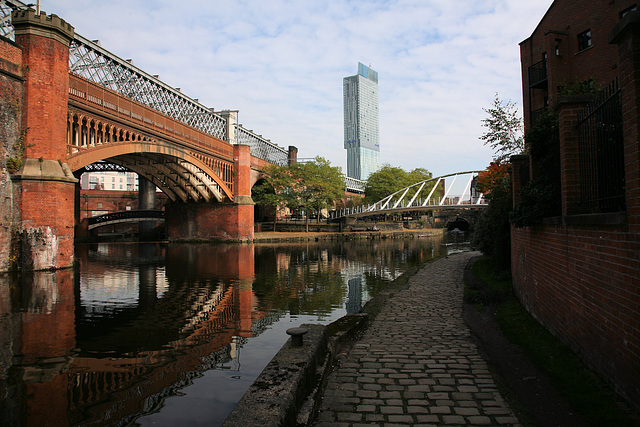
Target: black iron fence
601	153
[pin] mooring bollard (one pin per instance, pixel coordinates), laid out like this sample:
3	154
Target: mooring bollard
296	336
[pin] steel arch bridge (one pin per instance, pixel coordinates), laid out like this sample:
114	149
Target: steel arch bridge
431	194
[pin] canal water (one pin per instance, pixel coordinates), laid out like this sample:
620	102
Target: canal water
162	335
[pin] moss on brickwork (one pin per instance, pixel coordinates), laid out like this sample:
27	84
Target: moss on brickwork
11	148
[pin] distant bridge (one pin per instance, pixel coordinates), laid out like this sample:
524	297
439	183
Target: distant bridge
431	194
124	217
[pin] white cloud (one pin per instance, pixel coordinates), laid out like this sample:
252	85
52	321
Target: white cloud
281	63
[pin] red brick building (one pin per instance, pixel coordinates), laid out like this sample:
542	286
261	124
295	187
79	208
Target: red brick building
570	45
578	272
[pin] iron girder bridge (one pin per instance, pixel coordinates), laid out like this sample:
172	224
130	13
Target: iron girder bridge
90	60
150	215
431	194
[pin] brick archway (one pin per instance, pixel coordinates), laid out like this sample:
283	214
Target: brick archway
184	174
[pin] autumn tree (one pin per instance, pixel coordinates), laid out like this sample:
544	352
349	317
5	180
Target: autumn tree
489	178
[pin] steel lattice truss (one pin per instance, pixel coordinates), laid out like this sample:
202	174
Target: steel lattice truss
103	167
261	147
6	7
91	61
354	184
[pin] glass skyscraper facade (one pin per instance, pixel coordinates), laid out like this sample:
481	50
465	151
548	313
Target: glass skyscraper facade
361	135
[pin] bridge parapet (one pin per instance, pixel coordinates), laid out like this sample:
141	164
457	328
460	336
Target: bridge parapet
85	93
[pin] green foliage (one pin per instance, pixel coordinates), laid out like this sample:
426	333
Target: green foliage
390	179
585	87
492	233
537	201
14	163
317	185
274	189
504	129
310	186
540	197
383	182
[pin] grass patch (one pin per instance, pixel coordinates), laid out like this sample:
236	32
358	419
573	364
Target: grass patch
587	393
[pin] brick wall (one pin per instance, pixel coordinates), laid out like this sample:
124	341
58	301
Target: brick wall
579	275
47	230
11	93
113	201
215	221
583	284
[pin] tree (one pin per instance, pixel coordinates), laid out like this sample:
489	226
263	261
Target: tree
389	179
383	182
275	189
316	185
492	232
490	177
504	129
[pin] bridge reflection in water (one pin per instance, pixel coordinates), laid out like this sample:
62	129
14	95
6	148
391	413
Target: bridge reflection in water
134	325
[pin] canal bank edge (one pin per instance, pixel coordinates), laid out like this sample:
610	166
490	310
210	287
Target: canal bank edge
288	391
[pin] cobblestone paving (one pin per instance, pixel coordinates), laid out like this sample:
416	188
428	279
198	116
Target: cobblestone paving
416	364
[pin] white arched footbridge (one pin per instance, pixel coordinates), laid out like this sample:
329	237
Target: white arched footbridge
453	191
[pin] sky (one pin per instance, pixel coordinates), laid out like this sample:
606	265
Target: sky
281	64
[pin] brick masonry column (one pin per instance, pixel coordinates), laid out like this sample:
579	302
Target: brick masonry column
626	34
44	185
217	221
568	109
242	191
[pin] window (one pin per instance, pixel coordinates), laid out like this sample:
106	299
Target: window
584	40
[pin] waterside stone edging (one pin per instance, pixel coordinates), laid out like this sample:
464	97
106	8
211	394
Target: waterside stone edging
288	390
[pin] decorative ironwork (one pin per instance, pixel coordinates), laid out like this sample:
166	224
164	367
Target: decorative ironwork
261	147
101	167
601	153
6	7
89	60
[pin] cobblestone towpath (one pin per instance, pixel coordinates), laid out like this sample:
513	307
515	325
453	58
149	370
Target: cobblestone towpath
416	364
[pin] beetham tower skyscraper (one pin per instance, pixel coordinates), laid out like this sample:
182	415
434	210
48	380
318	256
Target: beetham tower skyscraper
361	135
